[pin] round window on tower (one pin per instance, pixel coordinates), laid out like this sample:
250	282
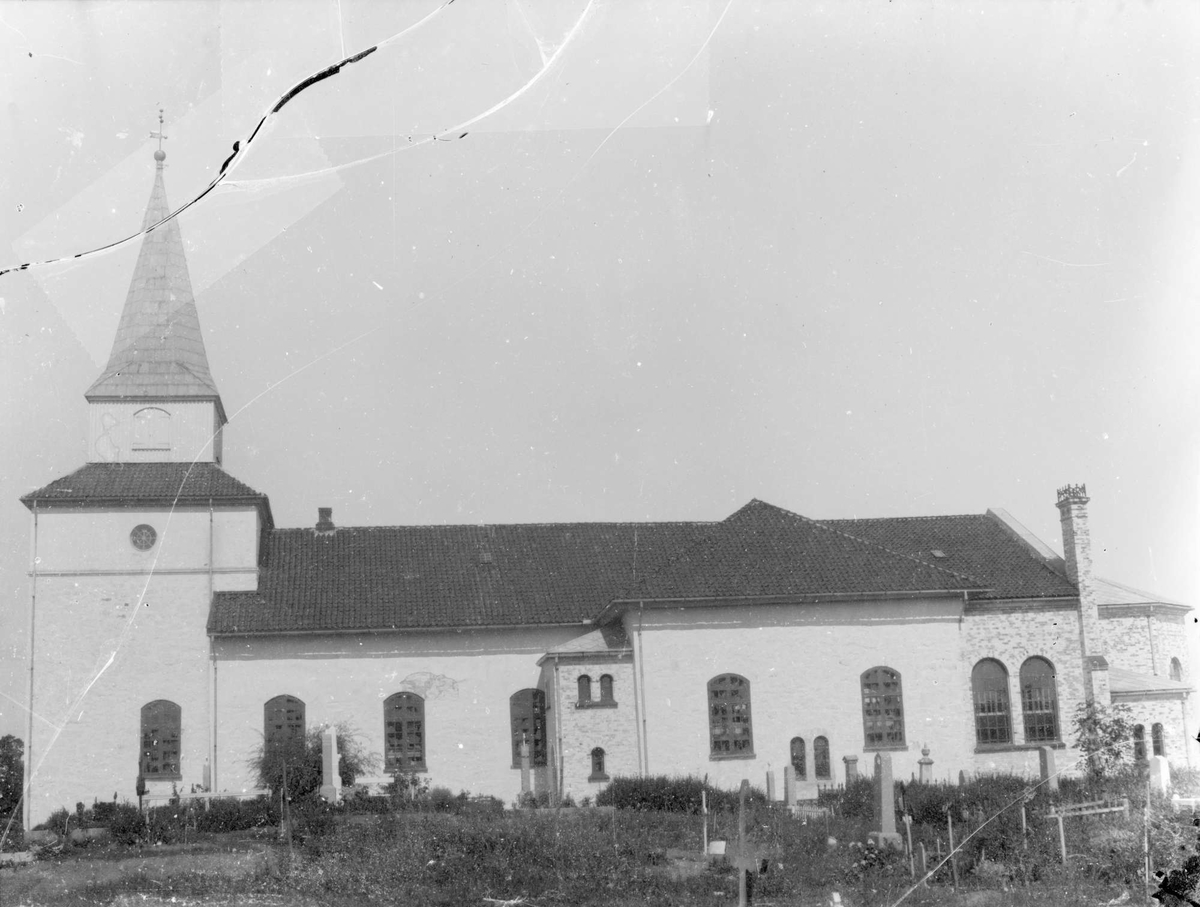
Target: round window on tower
143	537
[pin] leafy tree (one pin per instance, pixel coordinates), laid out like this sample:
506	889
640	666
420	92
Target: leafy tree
1104	735
300	760
12	773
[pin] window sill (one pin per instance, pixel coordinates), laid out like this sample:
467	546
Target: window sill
163	776
532	765
890	748
597	777
1018	747
725	757
600	704
409	770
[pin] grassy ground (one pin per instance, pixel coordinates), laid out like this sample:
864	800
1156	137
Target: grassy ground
583	858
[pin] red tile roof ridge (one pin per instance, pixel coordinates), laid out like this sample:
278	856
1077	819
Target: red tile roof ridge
542	525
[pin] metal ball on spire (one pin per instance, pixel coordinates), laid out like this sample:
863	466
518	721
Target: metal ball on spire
159	155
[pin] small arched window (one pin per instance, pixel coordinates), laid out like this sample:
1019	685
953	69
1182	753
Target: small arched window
989	687
151	429
1176	669
1156	739
1139	743
283	723
404	733
883	708
161	741
730	731
822	768
799	765
585	689
527	715
598	771
1039	700
606	688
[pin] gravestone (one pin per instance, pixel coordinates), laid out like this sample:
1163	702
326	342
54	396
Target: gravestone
926	766
525	787
1046	764
885	835
770	785
1160	774
789	786
331	782
851	768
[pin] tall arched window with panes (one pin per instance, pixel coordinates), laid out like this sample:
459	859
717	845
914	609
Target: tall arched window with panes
1039	701
584	689
1176	669
606	688
883	709
527	717
1156	739
989	689
730	729
161	747
404	733
799	762
1139	743
822	766
283	724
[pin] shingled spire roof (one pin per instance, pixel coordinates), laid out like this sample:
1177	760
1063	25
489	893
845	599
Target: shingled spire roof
159	349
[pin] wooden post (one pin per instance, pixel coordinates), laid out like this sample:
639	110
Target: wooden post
953	859
1024	828
924	865
1062	839
704	819
742	902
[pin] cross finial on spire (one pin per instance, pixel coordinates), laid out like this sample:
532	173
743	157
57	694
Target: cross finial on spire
159	155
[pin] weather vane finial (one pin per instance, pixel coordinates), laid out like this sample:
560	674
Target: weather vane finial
159	155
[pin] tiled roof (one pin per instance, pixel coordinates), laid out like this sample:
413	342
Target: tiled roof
147	483
976	545
159	349
1114	593
1132	683
407	577
764	550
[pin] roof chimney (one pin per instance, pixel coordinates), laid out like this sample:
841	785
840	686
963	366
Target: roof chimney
1077	553
325	519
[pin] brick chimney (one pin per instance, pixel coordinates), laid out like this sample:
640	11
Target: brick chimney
325	519
1077	553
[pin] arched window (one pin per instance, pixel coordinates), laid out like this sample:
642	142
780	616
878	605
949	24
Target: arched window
404	733
283	723
1156	739
1176	669
598	772
1139	743
527	716
161	741
606	688
1039	701
821	767
989	686
883	708
585	689
151	429
730	732
799	766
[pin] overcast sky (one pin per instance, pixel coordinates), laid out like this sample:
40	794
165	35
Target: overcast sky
852	259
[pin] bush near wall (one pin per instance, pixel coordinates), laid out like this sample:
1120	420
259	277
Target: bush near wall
672	794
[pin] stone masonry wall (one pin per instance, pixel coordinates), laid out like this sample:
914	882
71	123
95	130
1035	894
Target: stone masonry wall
614	729
1011	636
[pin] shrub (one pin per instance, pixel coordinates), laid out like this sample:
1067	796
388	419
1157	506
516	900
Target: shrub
57	822
126	824
12	773
301	761
227	814
1104	735
406	789
664	793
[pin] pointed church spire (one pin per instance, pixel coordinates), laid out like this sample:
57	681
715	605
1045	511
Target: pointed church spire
158	352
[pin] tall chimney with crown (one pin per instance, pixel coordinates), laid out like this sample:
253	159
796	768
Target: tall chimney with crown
1077	552
325	519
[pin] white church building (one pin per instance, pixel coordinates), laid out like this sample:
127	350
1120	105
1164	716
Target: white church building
174	625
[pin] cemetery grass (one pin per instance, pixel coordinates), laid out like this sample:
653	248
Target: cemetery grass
547	857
